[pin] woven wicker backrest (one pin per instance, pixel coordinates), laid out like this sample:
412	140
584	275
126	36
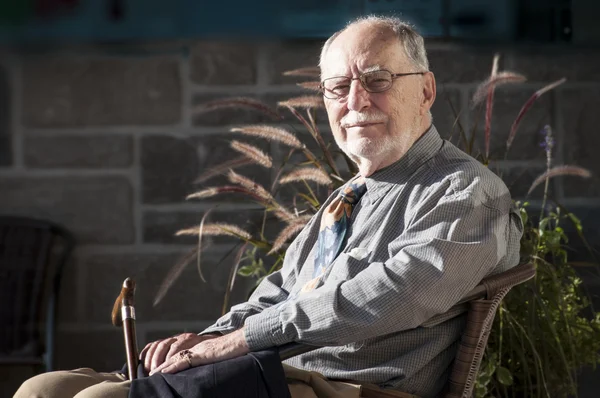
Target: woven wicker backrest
480	318
26	278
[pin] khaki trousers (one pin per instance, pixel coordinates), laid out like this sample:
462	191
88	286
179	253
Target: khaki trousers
87	383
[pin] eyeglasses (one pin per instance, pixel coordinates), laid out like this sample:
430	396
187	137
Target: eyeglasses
373	82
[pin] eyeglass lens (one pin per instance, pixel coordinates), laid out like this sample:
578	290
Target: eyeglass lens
373	82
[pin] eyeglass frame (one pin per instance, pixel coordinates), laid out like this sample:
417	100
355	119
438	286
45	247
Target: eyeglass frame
362	83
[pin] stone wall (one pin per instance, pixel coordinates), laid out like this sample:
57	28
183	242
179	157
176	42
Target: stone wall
106	141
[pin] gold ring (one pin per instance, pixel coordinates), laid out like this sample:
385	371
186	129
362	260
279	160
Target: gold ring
187	355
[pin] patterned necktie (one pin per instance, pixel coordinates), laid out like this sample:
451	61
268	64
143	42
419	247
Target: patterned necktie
334	224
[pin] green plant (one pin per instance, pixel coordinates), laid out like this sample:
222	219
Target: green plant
540	336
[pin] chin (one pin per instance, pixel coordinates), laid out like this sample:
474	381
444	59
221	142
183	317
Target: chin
366	148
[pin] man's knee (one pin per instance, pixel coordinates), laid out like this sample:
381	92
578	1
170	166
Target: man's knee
63	383
45	385
106	389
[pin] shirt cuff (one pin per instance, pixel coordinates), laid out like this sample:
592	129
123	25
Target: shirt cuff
216	330
264	330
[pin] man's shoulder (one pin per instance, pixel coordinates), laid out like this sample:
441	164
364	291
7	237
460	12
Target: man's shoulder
466	175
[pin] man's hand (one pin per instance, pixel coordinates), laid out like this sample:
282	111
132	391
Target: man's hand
208	351
157	352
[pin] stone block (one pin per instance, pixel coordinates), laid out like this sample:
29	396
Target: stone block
464	65
577	65
223	63
580	123
5	133
78	151
103	351
68	296
171	165
507	104
160	226
189	299
76	91
292	55
95	209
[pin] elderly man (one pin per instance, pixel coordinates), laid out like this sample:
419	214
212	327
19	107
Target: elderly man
373	275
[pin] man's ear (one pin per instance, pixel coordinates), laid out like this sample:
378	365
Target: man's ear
429	92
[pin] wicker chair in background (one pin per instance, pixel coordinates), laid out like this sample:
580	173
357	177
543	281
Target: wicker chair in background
32	255
483	301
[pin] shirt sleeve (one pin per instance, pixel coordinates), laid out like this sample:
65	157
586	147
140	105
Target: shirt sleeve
452	242
273	289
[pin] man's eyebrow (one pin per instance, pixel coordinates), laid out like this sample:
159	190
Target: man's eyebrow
372	68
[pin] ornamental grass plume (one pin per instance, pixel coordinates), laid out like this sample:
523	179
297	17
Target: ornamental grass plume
250	185
489	105
313	86
526	107
291	230
223	168
214	191
270	133
305	101
501	78
565	170
252	153
307	174
216	229
285	215
238	102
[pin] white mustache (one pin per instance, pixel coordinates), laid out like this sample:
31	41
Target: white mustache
358	118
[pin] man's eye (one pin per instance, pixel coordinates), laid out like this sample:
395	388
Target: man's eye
378	82
340	87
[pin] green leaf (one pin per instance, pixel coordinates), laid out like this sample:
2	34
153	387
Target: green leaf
543	224
246	270
524	215
504	376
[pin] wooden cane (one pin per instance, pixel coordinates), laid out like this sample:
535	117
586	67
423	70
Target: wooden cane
125	308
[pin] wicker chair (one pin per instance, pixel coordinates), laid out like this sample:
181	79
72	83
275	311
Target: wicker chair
32	254
483	302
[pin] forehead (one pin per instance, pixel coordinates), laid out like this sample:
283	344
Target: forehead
363	50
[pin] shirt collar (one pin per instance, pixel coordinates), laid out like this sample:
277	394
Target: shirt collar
420	152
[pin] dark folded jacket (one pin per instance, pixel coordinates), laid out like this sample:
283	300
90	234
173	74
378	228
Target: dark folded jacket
255	375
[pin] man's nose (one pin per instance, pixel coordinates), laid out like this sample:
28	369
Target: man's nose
358	97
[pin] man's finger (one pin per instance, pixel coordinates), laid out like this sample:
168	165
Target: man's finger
174	365
158	358
149	355
175	348
143	352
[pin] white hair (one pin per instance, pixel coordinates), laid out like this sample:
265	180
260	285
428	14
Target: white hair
411	41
